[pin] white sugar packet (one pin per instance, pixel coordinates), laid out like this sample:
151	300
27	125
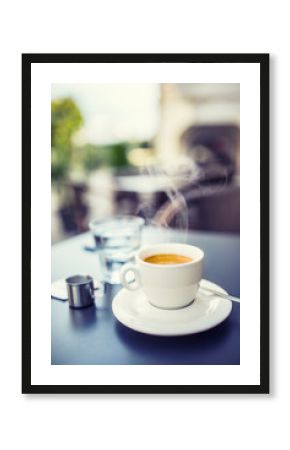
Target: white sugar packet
59	290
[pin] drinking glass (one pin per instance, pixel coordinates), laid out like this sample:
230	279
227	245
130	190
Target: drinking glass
118	238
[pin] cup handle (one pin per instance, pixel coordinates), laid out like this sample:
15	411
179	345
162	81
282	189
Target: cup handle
133	285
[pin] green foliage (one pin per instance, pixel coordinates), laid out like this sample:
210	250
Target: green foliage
92	157
66	119
60	163
114	155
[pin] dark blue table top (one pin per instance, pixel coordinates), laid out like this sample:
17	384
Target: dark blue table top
93	335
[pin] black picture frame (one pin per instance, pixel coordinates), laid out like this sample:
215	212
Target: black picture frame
263	61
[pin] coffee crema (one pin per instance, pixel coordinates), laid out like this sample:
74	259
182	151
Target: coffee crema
168	258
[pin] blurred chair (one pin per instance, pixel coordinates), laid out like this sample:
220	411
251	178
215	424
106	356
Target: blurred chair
125	202
210	208
214	148
74	212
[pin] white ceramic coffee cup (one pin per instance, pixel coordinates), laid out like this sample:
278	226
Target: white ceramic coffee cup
166	286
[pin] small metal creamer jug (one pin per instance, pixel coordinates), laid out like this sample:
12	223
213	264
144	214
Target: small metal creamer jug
81	291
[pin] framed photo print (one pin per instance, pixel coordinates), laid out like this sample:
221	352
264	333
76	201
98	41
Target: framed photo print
145	223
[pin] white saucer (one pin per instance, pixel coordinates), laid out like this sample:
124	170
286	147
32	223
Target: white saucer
133	310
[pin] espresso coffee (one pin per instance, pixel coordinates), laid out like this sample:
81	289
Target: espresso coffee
168	274
167	258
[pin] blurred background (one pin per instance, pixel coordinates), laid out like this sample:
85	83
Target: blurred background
166	152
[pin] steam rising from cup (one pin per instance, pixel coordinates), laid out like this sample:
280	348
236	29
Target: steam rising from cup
179	183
